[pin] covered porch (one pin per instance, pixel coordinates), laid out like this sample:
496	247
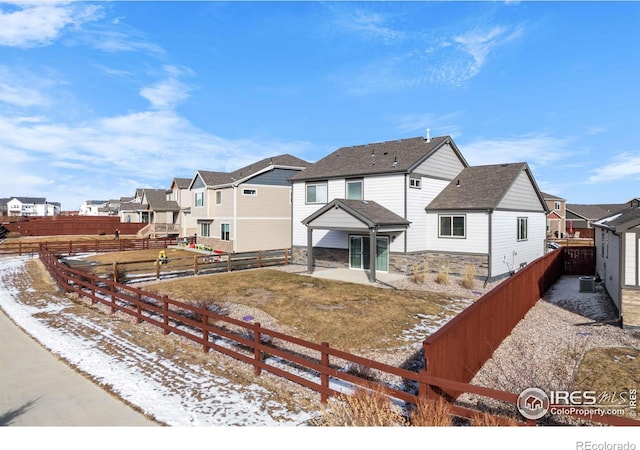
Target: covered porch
369	228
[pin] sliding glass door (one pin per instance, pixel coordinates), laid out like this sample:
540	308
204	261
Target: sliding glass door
360	253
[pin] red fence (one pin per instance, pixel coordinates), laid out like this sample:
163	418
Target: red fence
85	246
452	355
460	348
71	225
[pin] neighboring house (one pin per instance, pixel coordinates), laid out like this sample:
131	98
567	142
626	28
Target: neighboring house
93	208
583	216
180	193
617	241
248	209
152	206
557	217
32	206
402	205
3	206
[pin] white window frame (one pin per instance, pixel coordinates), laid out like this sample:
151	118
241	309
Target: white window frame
205	229
200	196
218	197
556	206
415	183
523	236
316	184
250	192
224	233
451	235
346	188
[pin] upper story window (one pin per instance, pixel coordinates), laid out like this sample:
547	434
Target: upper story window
199	199
354	189
218	197
250	192
522	228
317	192
415	183
452	226
556	206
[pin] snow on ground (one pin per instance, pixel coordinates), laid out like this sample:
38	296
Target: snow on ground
199	397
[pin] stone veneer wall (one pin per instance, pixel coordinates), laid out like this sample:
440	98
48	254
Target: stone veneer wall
322	257
631	308
399	262
216	244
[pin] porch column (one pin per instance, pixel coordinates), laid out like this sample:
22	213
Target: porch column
309	249
372	255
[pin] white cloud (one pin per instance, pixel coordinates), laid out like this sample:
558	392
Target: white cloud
535	149
36	24
168	93
479	43
625	165
23	89
438	124
369	24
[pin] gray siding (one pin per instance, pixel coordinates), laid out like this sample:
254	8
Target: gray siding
275	177
522	196
198	183
443	164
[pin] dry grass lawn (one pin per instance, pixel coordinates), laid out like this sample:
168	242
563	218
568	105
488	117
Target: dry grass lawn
609	371
349	316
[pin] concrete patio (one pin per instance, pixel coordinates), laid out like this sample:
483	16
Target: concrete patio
355	276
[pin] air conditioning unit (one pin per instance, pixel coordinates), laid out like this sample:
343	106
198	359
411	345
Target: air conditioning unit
587	284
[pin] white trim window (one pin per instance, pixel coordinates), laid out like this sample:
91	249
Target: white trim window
218	197
523	228
316	193
225	231
250	192
415	183
452	226
354	189
556	206
205	229
198	200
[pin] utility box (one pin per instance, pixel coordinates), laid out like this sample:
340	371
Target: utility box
587	284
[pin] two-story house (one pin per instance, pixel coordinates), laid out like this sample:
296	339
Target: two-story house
248	209
32	206
393	205
557	217
179	192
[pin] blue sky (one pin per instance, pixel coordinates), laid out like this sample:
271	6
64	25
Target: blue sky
100	98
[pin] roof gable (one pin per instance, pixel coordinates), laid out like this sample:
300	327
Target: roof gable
400	156
369	213
622	220
483	187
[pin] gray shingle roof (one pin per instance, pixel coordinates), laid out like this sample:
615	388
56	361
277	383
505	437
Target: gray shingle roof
550	196
593	212
220	178
383	157
182	183
623	219
478	187
370	212
157	200
34	200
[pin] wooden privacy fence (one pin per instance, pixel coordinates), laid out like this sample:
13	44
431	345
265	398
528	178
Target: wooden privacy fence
460	348
579	260
318	367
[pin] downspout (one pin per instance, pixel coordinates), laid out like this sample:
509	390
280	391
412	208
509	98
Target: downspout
406	184
235	218
490	243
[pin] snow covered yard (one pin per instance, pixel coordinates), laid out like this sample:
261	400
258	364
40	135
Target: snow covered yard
167	387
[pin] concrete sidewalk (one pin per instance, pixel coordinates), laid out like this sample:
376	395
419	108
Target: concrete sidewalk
37	389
